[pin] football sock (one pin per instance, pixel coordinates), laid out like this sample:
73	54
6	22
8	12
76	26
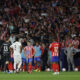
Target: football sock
14	66
36	66
51	66
19	65
24	67
30	67
57	67
7	67
54	67
10	66
39	68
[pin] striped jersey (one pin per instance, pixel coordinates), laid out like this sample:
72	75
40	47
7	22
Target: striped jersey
29	51
54	48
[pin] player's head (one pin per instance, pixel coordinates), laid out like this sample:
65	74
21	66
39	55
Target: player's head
17	39
43	45
28	43
54	39
6	39
37	43
12	34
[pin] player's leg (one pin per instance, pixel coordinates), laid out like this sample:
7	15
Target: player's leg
53	63
39	63
39	66
68	61
23	64
15	63
56	65
15	66
4	63
30	65
72	63
7	62
35	62
10	67
19	63
54	68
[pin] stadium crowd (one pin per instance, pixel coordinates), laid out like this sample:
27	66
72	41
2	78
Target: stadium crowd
40	21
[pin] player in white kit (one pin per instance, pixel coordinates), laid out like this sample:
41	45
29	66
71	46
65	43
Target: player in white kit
16	48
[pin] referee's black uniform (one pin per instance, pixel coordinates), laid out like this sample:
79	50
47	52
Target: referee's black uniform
5	54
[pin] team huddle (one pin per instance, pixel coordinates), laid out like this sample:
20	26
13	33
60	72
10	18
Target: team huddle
30	51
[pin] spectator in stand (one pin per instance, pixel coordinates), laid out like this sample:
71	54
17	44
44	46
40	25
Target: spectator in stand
12	38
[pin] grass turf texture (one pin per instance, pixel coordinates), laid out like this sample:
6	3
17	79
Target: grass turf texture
40	76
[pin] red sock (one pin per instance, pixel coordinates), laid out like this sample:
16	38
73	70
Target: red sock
30	67
24	67
39	68
36	67
54	67
57	67
51	66
10	66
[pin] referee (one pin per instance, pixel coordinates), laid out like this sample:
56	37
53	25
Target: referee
5	54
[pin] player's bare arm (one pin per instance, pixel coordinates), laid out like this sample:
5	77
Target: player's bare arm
20	49
24	52
34	51
11	50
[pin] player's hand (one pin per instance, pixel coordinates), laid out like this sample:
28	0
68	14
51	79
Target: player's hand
72	54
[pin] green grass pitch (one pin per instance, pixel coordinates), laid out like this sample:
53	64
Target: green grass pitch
40	76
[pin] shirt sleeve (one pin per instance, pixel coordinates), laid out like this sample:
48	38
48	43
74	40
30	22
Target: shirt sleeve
50	47
42	50
33	50
24	48
11	46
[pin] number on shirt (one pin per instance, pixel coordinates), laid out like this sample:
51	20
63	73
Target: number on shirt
55	50
14	47
5	48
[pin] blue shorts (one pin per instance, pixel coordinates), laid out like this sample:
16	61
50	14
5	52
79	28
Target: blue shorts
29	60
11	59
37	59
55	59
23	60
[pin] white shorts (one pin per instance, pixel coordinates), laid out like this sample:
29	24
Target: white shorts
17	59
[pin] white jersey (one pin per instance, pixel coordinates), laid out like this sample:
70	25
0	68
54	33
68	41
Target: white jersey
16	48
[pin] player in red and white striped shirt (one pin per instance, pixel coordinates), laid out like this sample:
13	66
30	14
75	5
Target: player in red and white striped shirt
29	55
75	43
68	41
54	47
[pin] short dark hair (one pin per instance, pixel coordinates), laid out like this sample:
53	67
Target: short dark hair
6	39
17	38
